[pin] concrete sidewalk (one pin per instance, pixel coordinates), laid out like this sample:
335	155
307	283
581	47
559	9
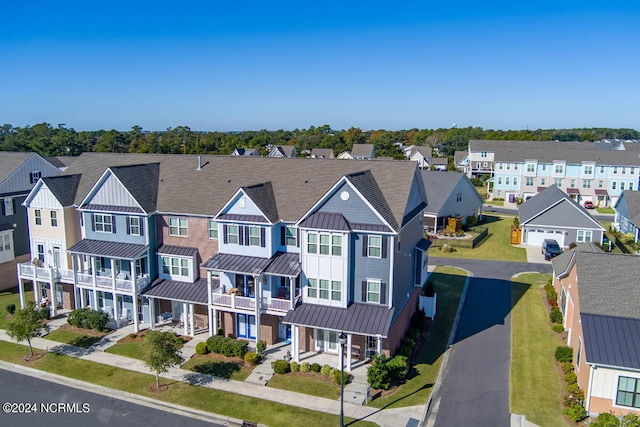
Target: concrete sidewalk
409	416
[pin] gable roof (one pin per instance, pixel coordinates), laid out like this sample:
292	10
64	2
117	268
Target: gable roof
283	150
323	153
63	188
440	161
424	150
262	196
439	186
562	262
459	156
632	201
10	161
142	183
366	184
362	150
244	152
546	200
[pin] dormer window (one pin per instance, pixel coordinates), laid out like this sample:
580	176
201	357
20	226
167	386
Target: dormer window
34	176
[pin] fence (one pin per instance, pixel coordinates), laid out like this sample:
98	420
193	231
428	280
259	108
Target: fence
483	233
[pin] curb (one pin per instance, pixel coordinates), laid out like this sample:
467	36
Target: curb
121	395
431	410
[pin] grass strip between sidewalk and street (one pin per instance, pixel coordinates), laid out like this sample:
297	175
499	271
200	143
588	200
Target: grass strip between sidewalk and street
202	398
536	386
448	283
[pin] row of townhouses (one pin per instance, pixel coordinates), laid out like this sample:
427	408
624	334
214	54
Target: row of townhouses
260	248
586	171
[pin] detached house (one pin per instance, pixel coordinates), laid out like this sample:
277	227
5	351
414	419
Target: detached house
627	209
598	295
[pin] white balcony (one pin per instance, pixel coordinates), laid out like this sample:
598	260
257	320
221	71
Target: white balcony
233	301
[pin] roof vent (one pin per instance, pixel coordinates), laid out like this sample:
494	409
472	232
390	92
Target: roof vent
199	163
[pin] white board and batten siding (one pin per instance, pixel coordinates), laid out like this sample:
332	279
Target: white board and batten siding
44	199
604	382
112	193
19	181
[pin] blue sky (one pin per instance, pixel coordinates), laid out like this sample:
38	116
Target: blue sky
216	65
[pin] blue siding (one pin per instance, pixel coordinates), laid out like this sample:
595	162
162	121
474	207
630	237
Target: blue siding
238	249
354	209
249	209
121	230
368	268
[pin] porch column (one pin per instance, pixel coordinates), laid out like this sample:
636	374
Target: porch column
74	270
94	271
80	301
185	319
52	292
116	318
258	280
379	346
348	352
136	320
210	310
152	313
21	292
213	317
94	299
36	292
295	343
292	293
113	273
191	322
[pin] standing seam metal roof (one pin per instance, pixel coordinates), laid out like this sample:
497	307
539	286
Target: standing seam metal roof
103	248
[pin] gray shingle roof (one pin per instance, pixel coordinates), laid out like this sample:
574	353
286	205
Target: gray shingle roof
180	291
366	184
562	261
10	161
297	183
362	150
284	264
142	183
424	244
612	341
262	196
326	221
63	188
361	319
177	250
632	200
322	153
458	156
440	185
108	249
237	263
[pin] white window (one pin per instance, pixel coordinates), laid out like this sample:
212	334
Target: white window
622	170
324	289
34	176
508	166
373	291
506	181
601	169
615	170
628	392
324	244
579	353
499	180
558	182
543	181
483	154
54	218
531	167
559	169
336	290
544	168
254	236
133	224
622	185
631	171
600	183
233	234
631	186
213	229
312	289
613	185
588	170
178	227
515	180
515	167
8	206
40	252
103	223
458	197
529	182
290	236
586	183
176	267
572	183
499	166
329	244
37	215
312	243
584	235
374	249
336	245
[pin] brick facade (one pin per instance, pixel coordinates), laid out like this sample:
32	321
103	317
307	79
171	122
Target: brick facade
401	325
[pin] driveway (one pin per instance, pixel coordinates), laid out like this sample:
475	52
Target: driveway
534	255
475	386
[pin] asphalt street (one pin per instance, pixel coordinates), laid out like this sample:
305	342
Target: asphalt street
475	387
70	406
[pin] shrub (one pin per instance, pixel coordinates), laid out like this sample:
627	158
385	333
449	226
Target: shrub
574	395
315	367
557	328
305	367
132	335
567	367
325	370
446	248
472	221
294	367
337	377
252	358
552	295
428	290
280	366
414	334
419	319
96	320
201	348
220	332
555	316
572	245
398	367
408	342
226	346
332	372
76	317
11	309
405	350
261	347
564	354
571	378
606	420
378	374
577	413
45	313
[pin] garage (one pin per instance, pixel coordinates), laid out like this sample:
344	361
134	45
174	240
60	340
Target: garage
535	236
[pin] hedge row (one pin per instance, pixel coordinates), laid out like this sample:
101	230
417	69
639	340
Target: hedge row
227	346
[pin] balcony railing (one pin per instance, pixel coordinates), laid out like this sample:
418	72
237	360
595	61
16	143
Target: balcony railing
245	303
278	304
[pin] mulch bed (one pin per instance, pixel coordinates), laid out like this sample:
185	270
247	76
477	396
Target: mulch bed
36	356
157	390
222	358
139	337
91	332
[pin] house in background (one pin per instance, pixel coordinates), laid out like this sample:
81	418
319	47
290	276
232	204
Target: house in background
246	152
627	209
19	172
440	163
552	214
362	151
461	161
322	153
449	194
603	325
283	151
420	154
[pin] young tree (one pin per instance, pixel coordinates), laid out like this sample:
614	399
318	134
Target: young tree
26	324
161	352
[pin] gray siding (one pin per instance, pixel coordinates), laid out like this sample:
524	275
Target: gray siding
564	214
18	182
404	263
354	210
367	268
468	206
416	195
250	208
112	193
21	229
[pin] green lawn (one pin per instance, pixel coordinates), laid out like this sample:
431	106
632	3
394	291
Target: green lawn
494	202
11	296
308	384
219	366
223	403
127	349
448	282
606	210
76	338
495	247
536	386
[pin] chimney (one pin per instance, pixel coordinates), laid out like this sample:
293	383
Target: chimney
199	163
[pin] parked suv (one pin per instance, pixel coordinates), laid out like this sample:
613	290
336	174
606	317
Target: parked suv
550	249
588	204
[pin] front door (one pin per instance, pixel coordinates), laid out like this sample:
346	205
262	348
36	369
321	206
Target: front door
56	256
326	341
246	326
6	246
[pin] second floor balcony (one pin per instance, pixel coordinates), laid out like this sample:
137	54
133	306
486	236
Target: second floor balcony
234	300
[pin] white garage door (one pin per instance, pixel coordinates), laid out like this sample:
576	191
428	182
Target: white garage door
536	236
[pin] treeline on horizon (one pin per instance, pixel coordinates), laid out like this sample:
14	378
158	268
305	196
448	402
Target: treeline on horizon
48	140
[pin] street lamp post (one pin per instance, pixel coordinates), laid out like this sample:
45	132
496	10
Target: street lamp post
342	339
